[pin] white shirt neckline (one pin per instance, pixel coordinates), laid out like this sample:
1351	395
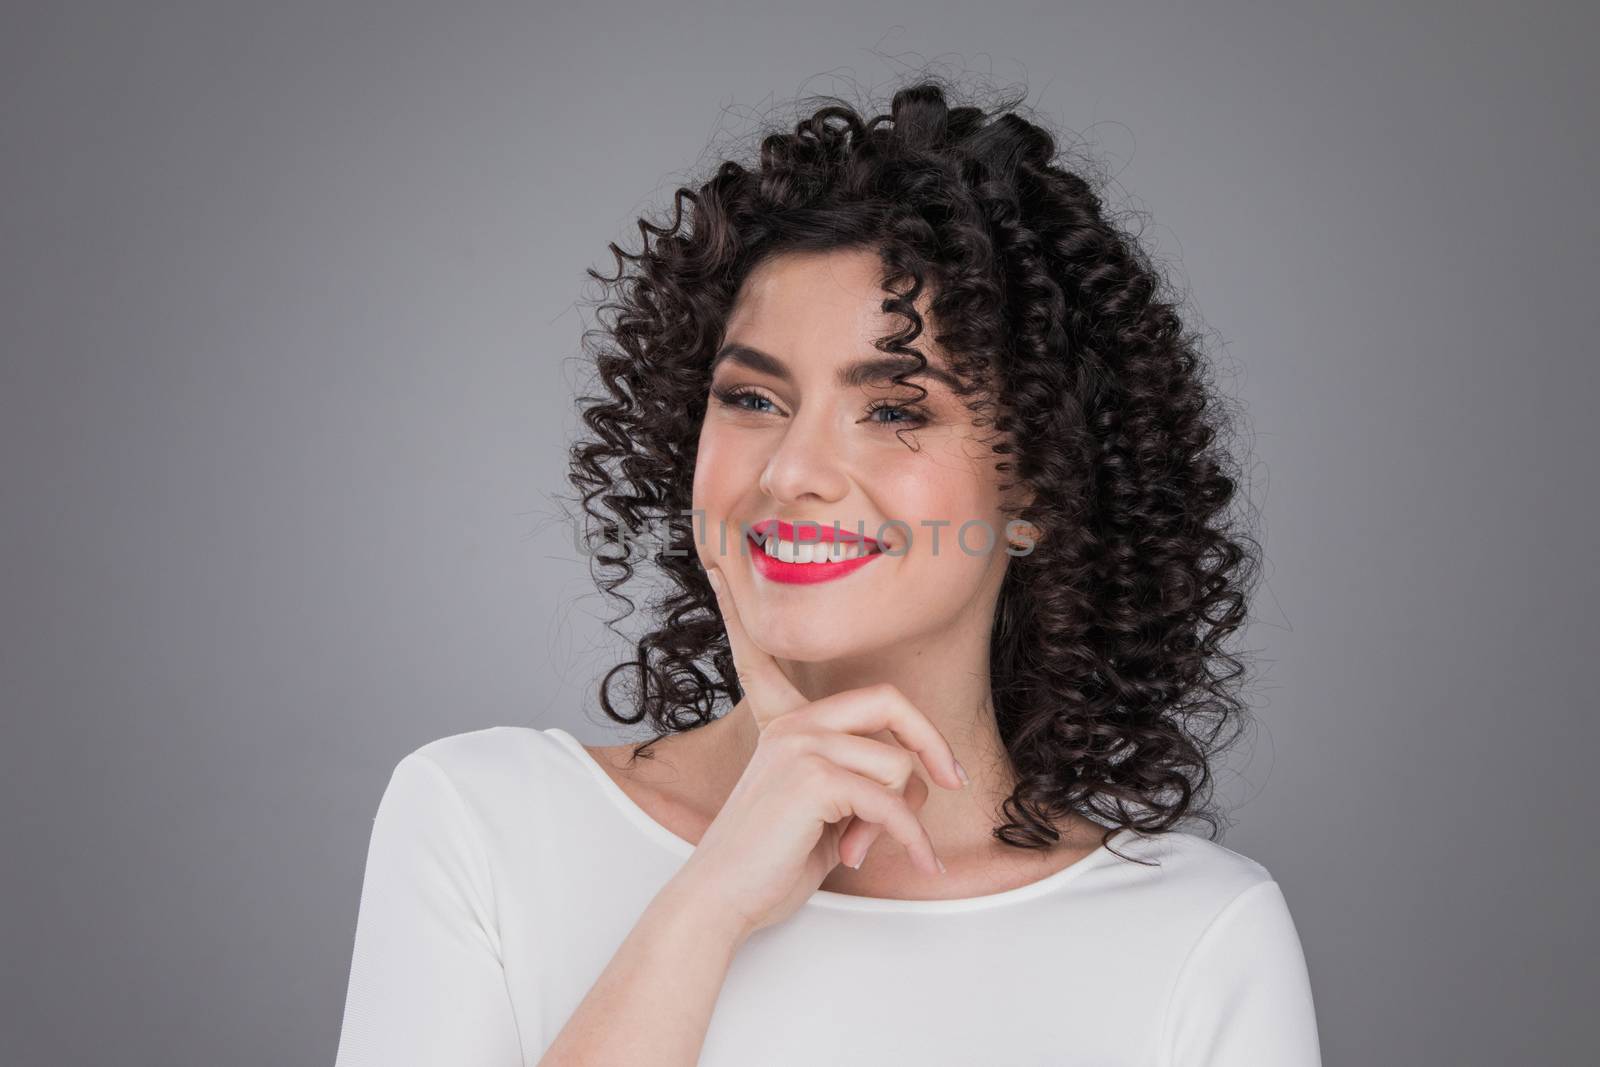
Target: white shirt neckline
827	898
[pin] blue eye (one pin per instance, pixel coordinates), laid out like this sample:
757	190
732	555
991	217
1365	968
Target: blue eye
911	416
914	416
732	398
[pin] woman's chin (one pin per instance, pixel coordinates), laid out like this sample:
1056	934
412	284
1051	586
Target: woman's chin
815	647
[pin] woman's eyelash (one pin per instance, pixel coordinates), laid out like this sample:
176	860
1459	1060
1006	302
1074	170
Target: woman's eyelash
914	416
731	397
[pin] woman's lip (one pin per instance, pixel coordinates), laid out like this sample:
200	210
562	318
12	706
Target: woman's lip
813	532
776	570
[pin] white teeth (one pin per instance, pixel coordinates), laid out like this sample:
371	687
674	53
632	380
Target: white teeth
816	552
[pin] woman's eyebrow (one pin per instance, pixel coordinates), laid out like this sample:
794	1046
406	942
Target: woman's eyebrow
850	376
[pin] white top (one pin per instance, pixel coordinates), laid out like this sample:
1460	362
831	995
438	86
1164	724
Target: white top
505	867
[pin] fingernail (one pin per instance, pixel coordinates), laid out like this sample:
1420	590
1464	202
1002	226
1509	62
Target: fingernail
961	772
940	862
716	582
856	866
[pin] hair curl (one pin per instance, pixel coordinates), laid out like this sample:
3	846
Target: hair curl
1112	691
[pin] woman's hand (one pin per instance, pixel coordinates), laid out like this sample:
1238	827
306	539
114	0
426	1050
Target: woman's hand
817	789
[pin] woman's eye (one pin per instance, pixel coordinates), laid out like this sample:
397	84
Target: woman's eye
900	415
734	398
909	416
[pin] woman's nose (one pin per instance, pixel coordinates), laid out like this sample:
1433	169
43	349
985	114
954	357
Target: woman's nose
806	461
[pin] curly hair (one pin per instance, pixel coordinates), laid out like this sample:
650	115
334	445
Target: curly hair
1112	690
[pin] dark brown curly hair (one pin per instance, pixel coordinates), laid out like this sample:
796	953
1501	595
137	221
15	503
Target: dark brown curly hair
1112	690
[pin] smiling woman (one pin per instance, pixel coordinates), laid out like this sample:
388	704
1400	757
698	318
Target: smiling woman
799	430
948	532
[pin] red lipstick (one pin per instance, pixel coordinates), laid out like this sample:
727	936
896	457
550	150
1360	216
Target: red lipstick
777	570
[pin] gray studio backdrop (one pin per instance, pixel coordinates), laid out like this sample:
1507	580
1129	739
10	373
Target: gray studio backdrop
292	298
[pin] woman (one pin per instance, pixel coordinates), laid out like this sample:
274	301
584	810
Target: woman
938	824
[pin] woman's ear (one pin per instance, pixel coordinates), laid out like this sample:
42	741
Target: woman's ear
1020	497
1018	533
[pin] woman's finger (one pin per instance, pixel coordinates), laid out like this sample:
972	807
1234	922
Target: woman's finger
883	762
768	689
881	707
856	840
870	802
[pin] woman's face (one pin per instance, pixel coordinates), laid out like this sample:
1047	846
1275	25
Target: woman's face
788	437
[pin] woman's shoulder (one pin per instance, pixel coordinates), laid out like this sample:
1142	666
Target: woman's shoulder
492	751
1190	874
496	769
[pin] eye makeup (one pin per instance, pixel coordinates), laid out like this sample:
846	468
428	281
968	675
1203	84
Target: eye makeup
911	415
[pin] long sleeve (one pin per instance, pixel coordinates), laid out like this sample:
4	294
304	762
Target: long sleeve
1243	997
426	982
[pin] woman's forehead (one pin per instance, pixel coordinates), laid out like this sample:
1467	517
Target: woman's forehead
824	308
852	371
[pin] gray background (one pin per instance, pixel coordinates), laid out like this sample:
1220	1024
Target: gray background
292	300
